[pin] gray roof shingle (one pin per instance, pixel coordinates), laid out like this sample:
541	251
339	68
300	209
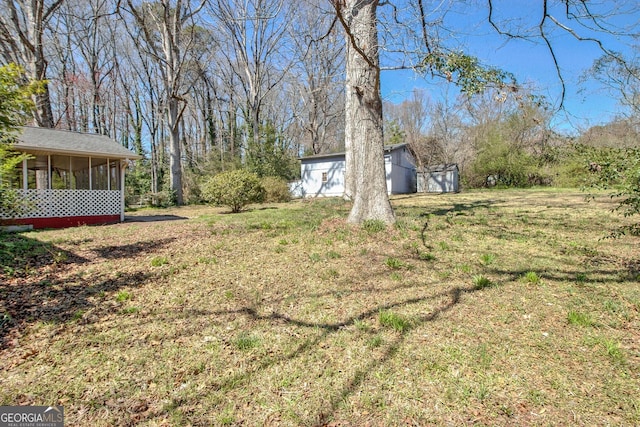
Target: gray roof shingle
53	141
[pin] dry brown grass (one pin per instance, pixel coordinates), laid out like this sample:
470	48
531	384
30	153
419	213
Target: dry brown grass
285	315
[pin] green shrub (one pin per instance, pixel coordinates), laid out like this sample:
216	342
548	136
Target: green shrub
234	189
276	190
617	170
500	162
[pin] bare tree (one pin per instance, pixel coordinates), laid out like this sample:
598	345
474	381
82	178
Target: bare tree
427	51
167	32
22	27
83	52
320	73
621	76
413	118
256	32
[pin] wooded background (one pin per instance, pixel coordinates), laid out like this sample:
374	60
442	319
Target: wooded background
201	87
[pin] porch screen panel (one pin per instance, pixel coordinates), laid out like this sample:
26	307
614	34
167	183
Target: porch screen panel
38	172
80	173
99	174
61	178
114	174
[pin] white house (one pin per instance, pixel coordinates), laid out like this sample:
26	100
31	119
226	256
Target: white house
70	179
322	175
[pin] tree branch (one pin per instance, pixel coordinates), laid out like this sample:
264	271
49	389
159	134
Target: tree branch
337	4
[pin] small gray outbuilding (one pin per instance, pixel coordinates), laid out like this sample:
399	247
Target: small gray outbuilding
444	178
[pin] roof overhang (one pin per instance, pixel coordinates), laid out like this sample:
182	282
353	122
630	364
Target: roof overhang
42	141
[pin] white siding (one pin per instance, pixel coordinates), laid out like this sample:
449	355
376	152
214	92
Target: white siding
312	172
399	169
400	172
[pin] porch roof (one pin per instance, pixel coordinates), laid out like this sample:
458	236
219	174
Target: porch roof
36	140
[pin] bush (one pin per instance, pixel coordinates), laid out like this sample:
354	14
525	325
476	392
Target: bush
618	170
235	189
501	163
276	190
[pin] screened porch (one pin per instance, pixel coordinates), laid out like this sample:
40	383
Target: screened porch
61	188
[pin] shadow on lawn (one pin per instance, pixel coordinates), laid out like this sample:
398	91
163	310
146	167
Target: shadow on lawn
350	385
35	286
20	255
452	298
621	272
153	218
132	250
456	207
462	207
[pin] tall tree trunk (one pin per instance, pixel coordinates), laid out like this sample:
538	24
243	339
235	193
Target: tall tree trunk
36	62
175	152
365	179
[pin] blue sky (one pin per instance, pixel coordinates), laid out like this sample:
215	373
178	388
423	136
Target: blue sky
586	104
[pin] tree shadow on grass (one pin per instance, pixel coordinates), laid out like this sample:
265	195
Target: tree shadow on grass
351	384
134	249
19	255
153	218
34	288
455	208
56	301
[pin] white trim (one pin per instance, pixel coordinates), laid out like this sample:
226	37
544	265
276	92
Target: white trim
25	175
49	184
123	166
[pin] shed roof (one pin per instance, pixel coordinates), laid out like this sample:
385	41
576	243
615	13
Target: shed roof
447	167
53	141
387	149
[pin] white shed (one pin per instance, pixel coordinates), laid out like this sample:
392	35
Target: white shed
442	178
322	175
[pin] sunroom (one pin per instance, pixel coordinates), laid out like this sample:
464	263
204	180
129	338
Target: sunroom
69	179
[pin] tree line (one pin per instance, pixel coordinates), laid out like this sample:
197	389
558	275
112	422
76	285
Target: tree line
195	87
203	86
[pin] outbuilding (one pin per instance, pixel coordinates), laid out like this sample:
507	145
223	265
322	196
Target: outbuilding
322	175
443	178
70	179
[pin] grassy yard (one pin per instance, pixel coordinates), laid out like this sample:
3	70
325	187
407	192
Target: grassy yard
480	308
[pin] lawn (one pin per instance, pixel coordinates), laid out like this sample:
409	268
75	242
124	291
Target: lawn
480	308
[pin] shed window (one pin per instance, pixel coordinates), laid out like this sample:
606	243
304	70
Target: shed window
324	177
